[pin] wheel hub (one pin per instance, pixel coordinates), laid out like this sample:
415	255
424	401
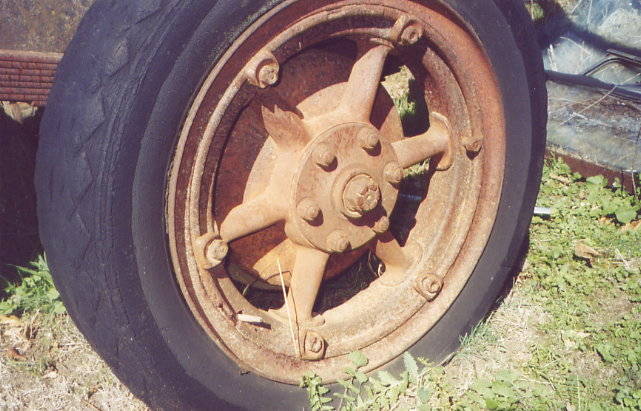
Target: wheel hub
343	177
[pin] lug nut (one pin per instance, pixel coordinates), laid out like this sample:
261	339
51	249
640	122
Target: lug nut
411	34
429	286
268	75
381	226
324	156
216	251
393	173
313	346
368	139
338	242
308	210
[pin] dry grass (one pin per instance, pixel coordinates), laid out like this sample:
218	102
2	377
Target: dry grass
45	363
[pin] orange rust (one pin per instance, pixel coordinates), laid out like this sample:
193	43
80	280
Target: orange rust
27	76
226	170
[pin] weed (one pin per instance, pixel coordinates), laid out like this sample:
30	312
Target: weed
580	294
34	292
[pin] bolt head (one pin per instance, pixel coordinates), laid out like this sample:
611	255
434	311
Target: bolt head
411	34
393	173
382	225
361	195
308	210
313	346
324	155
268	75
368	139
429	286
216	251
338	242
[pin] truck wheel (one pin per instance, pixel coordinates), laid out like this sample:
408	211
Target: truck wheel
200	157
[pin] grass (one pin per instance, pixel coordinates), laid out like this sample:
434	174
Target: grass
568	336
45	363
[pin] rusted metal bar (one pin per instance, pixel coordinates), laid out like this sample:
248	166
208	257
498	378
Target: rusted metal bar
27	76
6	78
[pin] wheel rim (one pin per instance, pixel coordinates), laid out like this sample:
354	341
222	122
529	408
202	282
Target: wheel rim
289	162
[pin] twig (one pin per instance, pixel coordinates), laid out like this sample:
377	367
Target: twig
289	314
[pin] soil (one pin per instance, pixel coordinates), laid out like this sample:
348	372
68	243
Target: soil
39	25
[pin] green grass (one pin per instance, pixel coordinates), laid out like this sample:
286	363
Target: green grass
567	337
34	292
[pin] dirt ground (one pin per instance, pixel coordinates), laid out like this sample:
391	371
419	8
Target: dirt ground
47	364
39	25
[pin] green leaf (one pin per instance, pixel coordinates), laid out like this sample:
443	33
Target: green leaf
411	366
386	378
597	181
423	395
361	377
625	215
358	359
491	404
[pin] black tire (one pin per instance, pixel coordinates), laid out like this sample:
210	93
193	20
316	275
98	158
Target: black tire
106	141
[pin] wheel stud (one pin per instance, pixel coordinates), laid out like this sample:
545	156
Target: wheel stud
324	155
393	173
308	210
368	139
338	241
381	226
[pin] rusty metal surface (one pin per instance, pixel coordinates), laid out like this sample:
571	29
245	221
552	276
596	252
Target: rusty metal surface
27	76
290	155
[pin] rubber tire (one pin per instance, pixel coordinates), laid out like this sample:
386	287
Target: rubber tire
106	142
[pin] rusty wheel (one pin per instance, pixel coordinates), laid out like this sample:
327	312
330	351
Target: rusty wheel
265	205
294	162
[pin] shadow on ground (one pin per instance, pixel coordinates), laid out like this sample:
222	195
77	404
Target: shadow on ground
19	242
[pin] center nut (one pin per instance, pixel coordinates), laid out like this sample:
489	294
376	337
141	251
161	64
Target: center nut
361	195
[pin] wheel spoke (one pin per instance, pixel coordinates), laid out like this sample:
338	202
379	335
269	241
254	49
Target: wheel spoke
308	272
395	259
250	217
284	125
435	142
364	81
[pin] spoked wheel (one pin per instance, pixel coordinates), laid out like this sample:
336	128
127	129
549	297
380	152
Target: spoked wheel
303	147
259	195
